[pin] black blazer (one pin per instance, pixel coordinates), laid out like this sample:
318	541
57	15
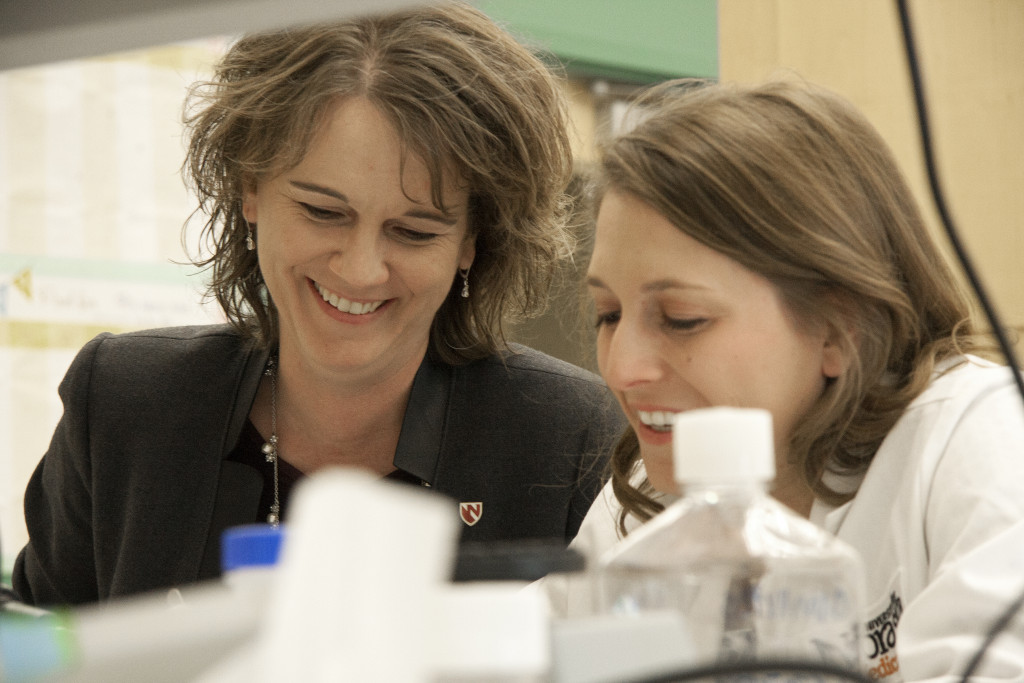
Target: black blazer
134	491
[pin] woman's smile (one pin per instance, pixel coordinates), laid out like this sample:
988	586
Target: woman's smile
346	305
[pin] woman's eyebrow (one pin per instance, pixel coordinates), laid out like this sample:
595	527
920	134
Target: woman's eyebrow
655	286
669	283
427	214
311	187
436	216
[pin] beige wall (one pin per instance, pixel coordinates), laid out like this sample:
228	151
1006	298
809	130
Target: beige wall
972	58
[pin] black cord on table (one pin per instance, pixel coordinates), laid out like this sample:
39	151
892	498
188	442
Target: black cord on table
753	666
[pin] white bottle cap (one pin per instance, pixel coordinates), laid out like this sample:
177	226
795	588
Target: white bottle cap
723	445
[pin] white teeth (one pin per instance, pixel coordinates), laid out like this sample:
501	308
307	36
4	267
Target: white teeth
346	306
658	420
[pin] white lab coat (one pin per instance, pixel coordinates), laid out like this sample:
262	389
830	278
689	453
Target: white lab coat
939	521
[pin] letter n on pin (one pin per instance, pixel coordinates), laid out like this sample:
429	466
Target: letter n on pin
471	512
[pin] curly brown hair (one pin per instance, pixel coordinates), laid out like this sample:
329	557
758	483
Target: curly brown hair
790	181
464	96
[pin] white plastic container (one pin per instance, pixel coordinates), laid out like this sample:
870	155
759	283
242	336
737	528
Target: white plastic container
490	632
750	577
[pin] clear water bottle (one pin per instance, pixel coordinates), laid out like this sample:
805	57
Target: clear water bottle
749	577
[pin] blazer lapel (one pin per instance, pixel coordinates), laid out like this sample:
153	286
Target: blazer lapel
423	426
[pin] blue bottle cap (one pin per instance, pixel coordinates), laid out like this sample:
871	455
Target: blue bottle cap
250	545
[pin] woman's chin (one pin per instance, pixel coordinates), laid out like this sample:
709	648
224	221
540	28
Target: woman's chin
660	473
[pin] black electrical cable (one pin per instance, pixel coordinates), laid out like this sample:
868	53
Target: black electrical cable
747	667
1014	608
940	202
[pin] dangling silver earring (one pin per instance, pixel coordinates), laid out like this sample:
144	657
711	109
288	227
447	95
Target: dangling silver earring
250	243
465	282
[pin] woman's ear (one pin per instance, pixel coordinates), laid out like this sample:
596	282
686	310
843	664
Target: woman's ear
467	252
249	211
833	357
841	340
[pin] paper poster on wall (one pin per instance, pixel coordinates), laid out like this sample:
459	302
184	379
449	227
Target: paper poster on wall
48	309
92	209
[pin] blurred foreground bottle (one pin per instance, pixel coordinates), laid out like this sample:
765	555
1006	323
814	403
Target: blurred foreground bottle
249	557
749	577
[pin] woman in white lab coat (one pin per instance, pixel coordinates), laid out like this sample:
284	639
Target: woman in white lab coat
758	247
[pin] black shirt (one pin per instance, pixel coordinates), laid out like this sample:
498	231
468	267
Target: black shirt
249	451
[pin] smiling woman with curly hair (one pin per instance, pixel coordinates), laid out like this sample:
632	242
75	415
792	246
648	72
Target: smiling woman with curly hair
382	195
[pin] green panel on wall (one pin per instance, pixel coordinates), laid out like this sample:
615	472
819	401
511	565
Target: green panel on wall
636	40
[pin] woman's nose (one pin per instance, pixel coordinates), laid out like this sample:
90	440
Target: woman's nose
360	259
630	357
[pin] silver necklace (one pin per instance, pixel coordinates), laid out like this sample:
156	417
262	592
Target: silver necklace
270	451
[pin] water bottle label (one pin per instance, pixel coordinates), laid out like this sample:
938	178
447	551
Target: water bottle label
819	615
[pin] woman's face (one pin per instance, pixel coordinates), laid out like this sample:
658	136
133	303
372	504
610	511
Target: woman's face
355	256
682	326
